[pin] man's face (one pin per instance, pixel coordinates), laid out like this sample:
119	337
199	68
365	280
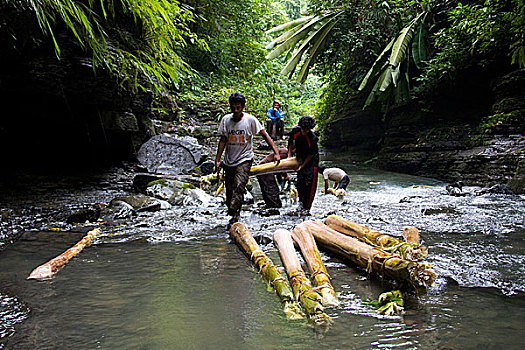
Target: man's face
236	108
304	131
276	106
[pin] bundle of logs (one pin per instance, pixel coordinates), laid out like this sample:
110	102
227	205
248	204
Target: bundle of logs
378	253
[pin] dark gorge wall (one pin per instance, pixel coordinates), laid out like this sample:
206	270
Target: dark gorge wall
471	130
59	113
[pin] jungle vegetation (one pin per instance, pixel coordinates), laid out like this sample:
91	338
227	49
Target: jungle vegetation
204	50
390	49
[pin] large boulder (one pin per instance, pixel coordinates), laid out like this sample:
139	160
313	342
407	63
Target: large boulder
169	154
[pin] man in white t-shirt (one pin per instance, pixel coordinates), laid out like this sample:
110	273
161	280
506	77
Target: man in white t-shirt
338	176
237	130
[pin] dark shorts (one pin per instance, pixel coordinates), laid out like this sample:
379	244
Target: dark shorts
344	182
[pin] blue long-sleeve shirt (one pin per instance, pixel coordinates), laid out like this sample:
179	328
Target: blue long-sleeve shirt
274	115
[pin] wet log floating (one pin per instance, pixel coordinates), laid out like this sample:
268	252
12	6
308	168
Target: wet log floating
50	268
418	275
306	243
310	300
267	269
407	250
288	164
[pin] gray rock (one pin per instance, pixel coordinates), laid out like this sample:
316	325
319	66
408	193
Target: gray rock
167	154
173	191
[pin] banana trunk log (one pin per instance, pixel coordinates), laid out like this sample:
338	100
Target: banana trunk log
406	250
306	243
267	269
418	275
50	268
302	289
288	164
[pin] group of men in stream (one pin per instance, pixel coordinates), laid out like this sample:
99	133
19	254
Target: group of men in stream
236	131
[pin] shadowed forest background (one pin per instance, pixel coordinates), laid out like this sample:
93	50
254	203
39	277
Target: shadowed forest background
411	86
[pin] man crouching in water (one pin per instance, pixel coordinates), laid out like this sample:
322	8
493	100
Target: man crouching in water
237	129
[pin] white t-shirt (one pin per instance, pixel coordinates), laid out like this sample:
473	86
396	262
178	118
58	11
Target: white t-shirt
239	136
334	174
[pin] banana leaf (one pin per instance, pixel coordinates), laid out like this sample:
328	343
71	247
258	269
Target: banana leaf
301	34
267	269
310	300
317	270
289	25
384	242
313	52
419	53
378	65
313	38
412	274
50	268
403	40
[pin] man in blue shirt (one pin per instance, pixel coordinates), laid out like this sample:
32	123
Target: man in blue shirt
275	123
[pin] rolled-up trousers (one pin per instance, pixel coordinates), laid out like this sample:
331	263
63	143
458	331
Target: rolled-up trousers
235	180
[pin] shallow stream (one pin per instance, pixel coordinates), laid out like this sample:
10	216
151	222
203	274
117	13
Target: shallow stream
174	280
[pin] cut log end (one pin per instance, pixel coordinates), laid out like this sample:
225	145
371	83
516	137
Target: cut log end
41	273
411	235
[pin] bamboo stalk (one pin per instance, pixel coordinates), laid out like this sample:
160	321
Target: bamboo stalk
50	268
306	243
407	250
288	164
267	269
418	275
302	289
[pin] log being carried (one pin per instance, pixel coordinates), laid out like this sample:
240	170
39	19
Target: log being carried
410	250
50	268
306	243
302	289
418	275
267	269
288	164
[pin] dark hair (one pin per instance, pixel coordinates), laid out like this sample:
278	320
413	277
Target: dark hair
277	101
237	97
321	168
307	122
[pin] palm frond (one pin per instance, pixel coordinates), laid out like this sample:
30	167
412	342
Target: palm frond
313	52
316	38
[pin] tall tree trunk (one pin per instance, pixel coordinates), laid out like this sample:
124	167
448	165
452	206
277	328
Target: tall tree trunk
311	255
267	269
310	300
418	275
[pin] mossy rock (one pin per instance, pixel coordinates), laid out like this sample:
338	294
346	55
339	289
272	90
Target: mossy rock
167	189
517	183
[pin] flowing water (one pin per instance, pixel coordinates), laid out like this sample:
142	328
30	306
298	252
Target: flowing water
173	279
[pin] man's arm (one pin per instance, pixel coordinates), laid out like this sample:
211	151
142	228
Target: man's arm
269	141
220	149
306	161
325	185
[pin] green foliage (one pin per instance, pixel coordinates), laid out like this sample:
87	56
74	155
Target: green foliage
477	33
388	303
236	59
308	34
135	41
489	123
389	73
